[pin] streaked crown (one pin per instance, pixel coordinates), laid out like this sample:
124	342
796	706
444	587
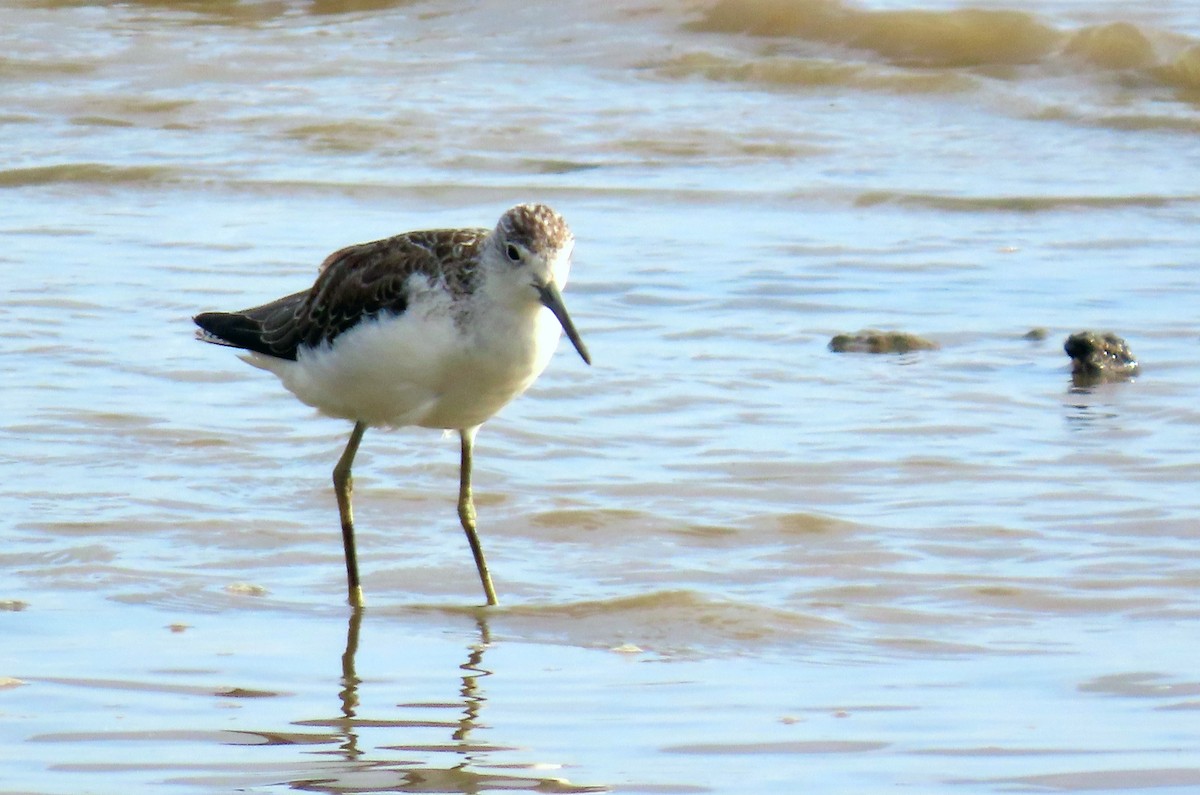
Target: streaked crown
535	227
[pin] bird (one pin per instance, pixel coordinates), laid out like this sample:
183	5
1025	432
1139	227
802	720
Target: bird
438	329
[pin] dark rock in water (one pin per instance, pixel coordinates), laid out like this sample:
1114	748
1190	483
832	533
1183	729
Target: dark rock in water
871	341
1097	358
1036	334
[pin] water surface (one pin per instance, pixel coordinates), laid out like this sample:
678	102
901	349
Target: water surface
729	560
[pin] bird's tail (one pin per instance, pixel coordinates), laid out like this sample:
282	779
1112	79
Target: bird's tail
232	329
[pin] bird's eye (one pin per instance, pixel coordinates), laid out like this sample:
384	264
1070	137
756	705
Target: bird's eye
513	252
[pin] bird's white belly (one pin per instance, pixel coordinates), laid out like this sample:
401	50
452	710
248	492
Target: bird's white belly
421	369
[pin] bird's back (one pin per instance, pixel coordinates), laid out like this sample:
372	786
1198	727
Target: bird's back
356	283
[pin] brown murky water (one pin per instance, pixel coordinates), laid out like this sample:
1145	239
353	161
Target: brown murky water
730	560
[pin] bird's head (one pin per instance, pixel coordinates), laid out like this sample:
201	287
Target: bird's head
536	244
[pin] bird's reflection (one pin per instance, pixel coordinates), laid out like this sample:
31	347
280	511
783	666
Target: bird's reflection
356	771
469	691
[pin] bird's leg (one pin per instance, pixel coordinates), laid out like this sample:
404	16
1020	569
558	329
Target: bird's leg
466	512
343	487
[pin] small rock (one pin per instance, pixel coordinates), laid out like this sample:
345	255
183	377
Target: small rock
1037	334
871	341
1098	358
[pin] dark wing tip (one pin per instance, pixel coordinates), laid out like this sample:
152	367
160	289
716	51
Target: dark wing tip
229	327
233	329
269	329
206	320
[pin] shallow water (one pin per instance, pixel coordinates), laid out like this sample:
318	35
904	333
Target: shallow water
729	560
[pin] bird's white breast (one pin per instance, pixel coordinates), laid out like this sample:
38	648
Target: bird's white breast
441	364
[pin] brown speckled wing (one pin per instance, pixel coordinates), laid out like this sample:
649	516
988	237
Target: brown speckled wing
355	283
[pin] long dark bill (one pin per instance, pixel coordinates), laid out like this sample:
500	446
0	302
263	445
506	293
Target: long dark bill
552	299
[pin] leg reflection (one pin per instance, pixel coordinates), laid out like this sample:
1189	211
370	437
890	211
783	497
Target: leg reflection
396	754
471	693
350	681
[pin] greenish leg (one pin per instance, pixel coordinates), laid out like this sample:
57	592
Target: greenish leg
343	487
466	512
